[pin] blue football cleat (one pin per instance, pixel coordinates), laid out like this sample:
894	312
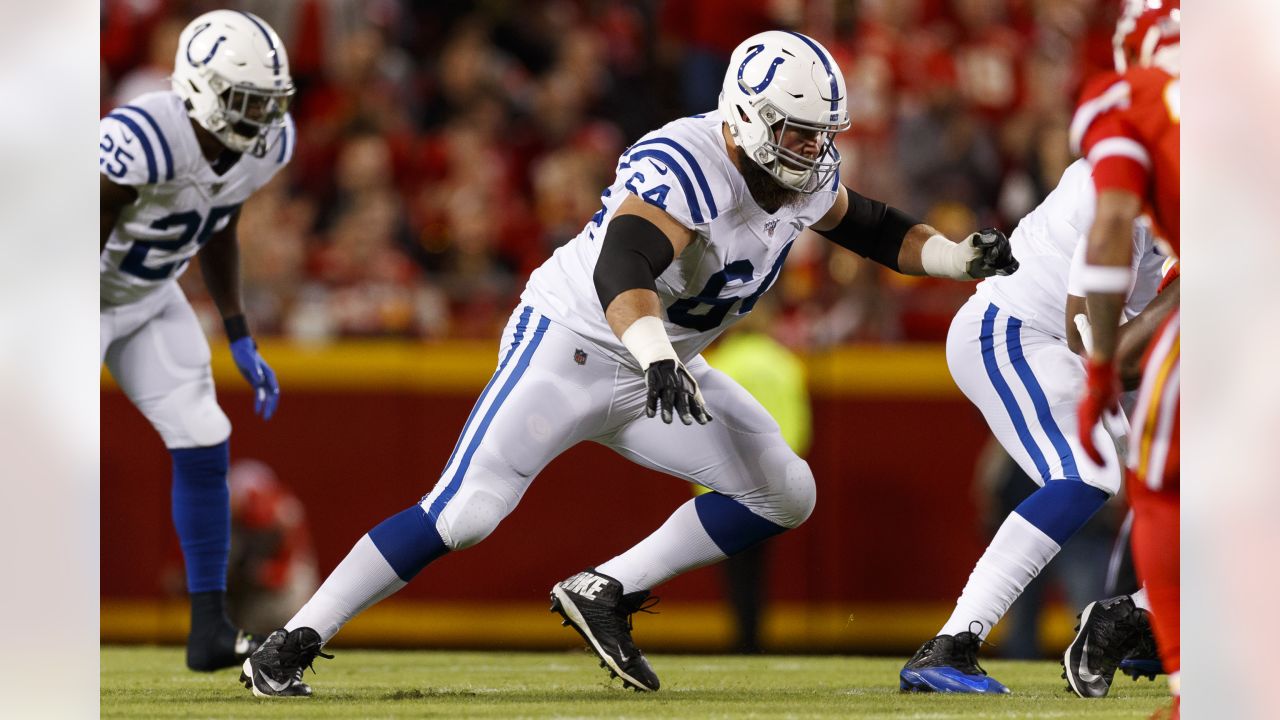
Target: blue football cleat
949	664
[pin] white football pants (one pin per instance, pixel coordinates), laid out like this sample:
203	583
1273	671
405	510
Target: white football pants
159	356
554	389
1027	383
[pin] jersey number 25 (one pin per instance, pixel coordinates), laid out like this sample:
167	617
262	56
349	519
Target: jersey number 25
193	227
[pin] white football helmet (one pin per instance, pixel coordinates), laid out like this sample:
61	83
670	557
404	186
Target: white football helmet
232	72
781	80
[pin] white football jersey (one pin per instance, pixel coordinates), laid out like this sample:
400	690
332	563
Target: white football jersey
150	145
684	169
1045	242
1149	265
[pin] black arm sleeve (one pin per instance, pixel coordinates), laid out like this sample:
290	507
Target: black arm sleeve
871	229
634	253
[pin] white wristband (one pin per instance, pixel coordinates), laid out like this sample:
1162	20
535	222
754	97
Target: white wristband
646	339
942	258
1105	279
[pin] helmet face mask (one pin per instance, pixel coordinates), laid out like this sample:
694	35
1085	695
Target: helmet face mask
793	169
232	72
254	109
784	90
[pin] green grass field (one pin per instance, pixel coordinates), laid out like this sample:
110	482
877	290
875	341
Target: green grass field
150	682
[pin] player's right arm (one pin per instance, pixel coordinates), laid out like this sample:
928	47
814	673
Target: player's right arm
1102	132
640	243
112	200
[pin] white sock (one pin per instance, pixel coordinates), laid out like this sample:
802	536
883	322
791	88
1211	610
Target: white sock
681	544
362	578
1017	553
1140	599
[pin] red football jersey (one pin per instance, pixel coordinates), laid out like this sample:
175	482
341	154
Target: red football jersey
1128	127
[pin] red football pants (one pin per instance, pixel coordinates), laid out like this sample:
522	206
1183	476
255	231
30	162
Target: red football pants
1153	483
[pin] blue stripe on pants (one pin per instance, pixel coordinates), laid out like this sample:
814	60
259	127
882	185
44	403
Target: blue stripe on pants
1041	403
515	343
1006	395
521	366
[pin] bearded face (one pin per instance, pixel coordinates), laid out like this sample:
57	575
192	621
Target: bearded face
765	189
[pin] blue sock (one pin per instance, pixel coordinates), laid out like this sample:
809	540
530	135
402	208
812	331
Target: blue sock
730	524
409	541
1062	507
202	514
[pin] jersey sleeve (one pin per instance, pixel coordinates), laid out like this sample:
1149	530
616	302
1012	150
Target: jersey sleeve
132	147
1103	133
1147	273
673	177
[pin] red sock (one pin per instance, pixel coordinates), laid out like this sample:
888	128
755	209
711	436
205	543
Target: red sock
1156	553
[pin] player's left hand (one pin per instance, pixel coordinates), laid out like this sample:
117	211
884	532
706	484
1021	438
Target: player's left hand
266	391
1101	394
994	254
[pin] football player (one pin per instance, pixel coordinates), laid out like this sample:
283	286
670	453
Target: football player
1013	350
175	167
693	230
1128	126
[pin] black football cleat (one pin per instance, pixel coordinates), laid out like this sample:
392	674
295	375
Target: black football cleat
275	669
593	604
224	648
1144	659
1109	631
949	664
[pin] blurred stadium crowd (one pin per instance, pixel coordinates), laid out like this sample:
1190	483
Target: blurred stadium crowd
446	148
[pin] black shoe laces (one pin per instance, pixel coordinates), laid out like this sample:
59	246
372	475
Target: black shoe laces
628	608
301	655
967	644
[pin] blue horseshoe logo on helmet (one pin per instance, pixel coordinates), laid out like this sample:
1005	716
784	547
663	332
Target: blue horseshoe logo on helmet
768	77
212	50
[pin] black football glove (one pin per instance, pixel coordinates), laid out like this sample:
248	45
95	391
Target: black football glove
995	255
671	387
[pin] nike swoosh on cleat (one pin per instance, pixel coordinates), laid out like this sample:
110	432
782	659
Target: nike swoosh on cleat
1083	666
278	687
272	684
